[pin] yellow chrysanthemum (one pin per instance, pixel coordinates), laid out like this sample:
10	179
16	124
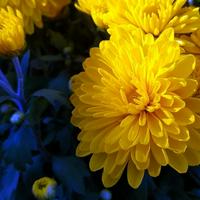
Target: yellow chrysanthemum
153	16
44	188
96	8
12	36
130	104
33	10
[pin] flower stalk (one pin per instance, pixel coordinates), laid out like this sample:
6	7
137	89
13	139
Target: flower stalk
17	97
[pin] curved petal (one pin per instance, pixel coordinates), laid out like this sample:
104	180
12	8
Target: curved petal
134	176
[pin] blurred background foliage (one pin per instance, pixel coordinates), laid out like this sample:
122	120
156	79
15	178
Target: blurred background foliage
40	141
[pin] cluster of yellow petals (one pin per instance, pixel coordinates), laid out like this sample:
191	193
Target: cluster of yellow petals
44	188
12	36
152	16
96	8
134	104
33	10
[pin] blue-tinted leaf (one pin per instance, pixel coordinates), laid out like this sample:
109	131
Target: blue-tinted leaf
71	172
18	146
56	98
8	183
25	62
60	83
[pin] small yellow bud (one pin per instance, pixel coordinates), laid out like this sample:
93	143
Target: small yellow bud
44	188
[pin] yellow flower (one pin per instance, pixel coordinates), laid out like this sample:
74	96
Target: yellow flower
96	8
153	16
44	188
12	37
130	104
33	10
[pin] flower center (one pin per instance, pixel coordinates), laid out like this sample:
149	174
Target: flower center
42	185
144	101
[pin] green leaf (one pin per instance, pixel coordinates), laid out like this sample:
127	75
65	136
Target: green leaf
71	172
60	83
18	146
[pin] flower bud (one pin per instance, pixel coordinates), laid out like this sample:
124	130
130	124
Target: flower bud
44	188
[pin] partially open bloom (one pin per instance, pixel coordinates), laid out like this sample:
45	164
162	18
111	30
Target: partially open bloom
44	188
33	10
96	8
12	37
130	104
153	16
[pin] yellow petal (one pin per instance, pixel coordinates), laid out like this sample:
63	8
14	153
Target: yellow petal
155	126
177	146
134	176
188	90
142	152
184	66
184	135
108	181
162	142
192	157
177	161
154	167
83	149
184	117
194	142
97	161
159	154
193	103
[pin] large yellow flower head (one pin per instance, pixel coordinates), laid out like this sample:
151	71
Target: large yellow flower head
130	104
96	8
44	188
12	36
153	16
33	10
